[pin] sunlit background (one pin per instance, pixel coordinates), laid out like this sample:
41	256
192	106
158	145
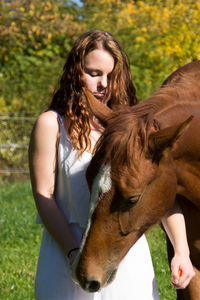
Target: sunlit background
36	35
35	38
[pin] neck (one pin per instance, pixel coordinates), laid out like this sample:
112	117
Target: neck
95	125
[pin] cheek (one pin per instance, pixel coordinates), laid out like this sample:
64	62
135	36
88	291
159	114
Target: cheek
90	83
125	222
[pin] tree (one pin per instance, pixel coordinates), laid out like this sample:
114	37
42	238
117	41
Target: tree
35	37
159	36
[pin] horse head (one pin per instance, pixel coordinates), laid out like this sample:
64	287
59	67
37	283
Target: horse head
132	183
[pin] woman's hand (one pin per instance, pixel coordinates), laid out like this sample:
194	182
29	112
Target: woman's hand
181	266
182	271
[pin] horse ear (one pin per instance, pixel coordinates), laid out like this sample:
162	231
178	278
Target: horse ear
100	110
165	138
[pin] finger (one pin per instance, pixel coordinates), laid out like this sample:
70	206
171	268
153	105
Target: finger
174	281
182	284
175	272
176	277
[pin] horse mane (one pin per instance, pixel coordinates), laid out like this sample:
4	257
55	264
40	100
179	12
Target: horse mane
123	132
128	126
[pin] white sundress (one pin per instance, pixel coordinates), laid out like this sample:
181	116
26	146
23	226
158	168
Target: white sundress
135	278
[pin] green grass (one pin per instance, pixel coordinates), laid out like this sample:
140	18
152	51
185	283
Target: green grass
157	244
20	241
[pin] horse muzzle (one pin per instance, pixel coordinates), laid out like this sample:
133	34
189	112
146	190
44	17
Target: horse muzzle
93	284
90	285
92	280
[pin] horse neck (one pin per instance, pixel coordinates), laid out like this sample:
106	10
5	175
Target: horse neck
173	104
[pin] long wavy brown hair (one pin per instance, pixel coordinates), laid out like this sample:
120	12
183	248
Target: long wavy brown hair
68	99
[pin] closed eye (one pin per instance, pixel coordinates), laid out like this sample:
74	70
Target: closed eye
132	200
92	72
129	202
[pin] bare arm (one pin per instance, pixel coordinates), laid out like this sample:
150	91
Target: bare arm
43	163
181	266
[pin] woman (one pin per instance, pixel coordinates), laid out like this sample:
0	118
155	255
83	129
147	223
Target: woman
60	150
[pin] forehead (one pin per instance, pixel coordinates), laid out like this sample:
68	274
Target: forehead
102	180
99	59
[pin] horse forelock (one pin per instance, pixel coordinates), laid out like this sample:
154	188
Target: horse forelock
125	138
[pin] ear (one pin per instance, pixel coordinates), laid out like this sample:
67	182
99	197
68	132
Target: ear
164	138
100	110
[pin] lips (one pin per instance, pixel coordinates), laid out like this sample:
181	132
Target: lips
99	95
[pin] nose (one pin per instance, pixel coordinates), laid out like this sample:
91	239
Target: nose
103	82
91	285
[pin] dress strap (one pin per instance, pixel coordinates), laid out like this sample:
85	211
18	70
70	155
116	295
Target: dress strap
59	117
63	132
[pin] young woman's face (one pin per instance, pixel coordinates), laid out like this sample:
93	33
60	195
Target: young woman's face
98	66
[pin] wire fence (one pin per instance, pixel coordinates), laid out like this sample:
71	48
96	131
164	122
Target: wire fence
14	140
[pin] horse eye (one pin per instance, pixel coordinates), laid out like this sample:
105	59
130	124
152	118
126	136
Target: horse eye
132	200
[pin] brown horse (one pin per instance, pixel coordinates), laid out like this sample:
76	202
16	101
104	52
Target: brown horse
148	155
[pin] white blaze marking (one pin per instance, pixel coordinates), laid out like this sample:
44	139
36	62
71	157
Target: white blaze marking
102	184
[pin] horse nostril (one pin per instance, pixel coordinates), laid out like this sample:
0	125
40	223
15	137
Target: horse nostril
92	286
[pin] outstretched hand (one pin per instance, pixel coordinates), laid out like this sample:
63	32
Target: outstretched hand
182	271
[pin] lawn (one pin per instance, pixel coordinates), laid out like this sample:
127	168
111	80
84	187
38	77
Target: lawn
20	240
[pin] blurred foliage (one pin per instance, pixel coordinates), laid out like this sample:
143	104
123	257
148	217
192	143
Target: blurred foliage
35	37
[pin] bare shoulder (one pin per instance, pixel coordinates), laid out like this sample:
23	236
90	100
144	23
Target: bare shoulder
42	152
45	130
47	121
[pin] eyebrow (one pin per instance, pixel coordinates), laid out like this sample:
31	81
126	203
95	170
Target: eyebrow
91	69
86	69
